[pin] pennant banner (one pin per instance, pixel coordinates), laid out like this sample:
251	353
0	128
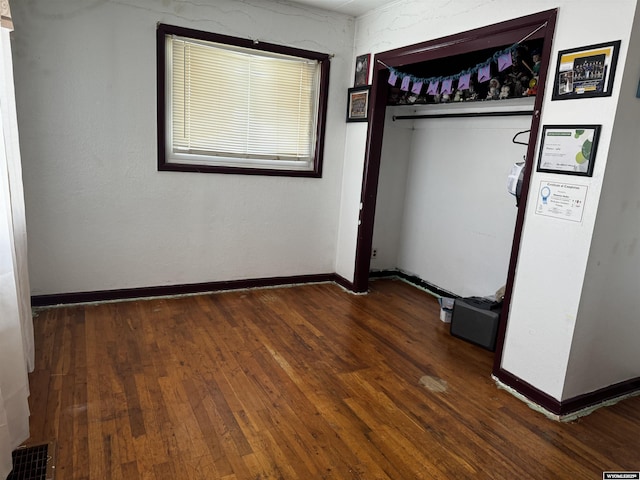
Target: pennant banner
405	84
465	80
433	88
447	86
484	73
503	59
393	77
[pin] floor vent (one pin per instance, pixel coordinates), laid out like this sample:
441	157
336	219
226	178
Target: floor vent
33	463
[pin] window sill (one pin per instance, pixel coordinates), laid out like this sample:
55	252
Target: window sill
179	167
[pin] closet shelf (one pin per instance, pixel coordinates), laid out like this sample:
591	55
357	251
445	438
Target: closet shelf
489	108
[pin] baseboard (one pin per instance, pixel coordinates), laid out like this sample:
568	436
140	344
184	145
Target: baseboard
184	289
538	397
413	280
195	288
602	396
571	408
344	283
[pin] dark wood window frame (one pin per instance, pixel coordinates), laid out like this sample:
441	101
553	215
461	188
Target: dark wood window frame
164	164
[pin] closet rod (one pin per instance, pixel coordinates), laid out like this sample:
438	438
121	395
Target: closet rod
511	113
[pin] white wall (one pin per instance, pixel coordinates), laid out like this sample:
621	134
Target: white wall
350	197
605	341
16	324
457	218
100	215
392	187
553	255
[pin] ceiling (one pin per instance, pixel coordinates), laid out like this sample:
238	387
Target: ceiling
354	8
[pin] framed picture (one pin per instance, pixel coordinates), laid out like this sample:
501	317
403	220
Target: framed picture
362	70
568	149
586	72
358	104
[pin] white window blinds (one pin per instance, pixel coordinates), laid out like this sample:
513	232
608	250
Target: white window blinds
229	101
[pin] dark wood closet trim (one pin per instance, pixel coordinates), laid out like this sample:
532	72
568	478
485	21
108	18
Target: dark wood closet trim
496	35
529	165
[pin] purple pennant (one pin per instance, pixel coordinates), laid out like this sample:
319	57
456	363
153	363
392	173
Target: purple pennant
405	84
484	73
447	86
433	88
463	83
392	78
417	88
505	61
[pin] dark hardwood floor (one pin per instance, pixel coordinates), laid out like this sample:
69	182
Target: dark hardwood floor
308	382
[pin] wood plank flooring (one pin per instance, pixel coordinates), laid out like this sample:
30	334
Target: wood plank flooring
308	382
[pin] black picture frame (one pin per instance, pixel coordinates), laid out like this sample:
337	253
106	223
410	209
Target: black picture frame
358	104
361	74
568	149
586	72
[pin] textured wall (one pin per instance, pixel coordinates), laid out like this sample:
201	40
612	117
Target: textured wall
100	216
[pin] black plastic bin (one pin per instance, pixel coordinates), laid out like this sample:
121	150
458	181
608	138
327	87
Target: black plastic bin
476	320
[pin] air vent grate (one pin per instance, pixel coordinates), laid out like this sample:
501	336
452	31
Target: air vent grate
32	463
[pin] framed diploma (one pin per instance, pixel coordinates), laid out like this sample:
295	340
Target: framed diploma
568	149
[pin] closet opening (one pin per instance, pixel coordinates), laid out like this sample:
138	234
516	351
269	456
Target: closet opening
436	117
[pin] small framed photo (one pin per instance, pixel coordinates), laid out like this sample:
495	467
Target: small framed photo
568	149
586	72
362	70
358	104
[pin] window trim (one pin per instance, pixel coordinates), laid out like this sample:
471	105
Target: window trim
162	114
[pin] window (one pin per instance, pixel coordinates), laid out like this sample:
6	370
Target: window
232	105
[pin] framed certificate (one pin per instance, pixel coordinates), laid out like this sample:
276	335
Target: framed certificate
568	149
